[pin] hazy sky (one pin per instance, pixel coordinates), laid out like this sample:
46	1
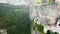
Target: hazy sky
17	2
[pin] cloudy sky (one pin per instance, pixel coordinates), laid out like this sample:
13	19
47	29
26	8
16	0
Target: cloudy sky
17	2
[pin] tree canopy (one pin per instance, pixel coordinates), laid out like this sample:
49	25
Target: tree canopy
15	19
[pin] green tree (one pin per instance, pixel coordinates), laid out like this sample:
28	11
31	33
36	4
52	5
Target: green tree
49	32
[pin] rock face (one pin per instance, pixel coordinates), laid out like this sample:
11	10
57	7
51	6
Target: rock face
45	13
53	28
3	31
35	31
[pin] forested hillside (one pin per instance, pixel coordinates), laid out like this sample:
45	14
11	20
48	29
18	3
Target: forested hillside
15	19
